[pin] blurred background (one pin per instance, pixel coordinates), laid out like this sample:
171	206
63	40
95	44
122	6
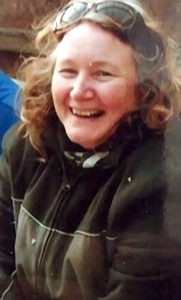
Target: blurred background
17	17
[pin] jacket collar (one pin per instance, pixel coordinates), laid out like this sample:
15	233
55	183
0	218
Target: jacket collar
107	155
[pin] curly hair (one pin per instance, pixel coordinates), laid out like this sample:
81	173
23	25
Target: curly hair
158	89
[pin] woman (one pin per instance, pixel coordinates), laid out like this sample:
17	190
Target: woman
89	189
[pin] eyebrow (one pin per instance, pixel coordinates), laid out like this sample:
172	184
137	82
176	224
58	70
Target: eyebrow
65	61
103	63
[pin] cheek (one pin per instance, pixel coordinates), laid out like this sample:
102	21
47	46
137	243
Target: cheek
57	91
129	92
54	88
123	95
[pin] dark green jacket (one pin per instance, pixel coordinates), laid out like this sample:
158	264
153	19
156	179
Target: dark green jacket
112	231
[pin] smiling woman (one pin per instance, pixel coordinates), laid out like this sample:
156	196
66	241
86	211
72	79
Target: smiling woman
88	89
89	180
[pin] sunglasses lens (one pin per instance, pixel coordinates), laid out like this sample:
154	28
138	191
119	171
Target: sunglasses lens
122	14
74	12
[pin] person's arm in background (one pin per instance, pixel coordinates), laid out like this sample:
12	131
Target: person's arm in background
9	103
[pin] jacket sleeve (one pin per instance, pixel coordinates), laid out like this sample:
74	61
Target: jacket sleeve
144	267
144	232
8	287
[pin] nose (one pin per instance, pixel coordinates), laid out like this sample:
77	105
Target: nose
82	88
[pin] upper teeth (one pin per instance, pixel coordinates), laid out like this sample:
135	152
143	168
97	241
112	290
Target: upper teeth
85	113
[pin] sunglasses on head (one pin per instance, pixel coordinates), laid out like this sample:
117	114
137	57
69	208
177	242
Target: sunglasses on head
142	38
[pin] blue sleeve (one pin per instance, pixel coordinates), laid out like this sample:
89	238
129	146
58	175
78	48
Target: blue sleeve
9	98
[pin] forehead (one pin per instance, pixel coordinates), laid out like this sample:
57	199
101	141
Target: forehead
92	40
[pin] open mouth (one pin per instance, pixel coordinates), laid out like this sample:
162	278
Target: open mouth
87	113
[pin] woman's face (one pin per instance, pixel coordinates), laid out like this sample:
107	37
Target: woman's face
93	83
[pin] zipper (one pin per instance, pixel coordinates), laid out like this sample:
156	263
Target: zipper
63	193
66	187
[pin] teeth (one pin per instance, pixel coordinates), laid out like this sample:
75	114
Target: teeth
85	113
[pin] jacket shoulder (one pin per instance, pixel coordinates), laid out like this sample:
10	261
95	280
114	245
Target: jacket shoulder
19	158
14	148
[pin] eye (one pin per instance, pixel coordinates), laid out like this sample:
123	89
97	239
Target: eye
68	72
103	75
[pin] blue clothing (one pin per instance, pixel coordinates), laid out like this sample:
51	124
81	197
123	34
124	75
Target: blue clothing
8	96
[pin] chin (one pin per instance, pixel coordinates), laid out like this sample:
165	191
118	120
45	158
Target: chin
84	143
